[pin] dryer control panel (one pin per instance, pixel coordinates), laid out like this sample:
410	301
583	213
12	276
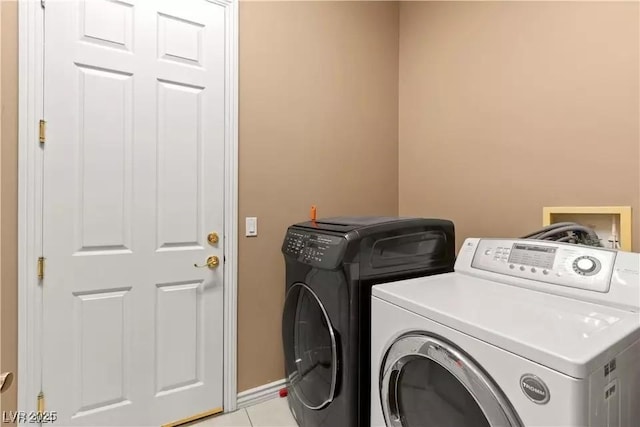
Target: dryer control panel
575	266
599	275
316	249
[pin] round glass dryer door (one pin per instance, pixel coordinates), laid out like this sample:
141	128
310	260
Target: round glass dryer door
428	383
310	348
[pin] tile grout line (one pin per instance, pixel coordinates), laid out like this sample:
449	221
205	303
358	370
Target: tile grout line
248	416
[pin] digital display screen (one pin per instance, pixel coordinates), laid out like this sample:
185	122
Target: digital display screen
546	249
533	255
324	239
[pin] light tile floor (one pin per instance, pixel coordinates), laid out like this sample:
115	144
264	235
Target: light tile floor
272	413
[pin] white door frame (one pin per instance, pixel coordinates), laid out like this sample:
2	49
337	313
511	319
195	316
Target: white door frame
30	161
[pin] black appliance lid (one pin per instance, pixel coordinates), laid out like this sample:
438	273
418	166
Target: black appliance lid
345	224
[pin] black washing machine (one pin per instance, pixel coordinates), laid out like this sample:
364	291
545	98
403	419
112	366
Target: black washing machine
331	265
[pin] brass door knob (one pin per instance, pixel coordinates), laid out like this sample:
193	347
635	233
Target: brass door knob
212	238
212	262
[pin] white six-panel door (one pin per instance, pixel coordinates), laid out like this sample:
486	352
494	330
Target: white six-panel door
133	183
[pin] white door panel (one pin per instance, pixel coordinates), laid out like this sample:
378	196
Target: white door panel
133	183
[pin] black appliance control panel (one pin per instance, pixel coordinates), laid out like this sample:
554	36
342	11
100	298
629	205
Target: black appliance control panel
319	250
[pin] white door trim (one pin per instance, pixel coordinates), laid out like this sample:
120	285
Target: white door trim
231	213
30	158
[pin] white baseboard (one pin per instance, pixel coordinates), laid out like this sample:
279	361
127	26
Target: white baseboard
260	394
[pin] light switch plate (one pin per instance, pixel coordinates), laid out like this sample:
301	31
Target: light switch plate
251	226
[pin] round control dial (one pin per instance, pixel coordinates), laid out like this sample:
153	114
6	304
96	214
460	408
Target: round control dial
586	265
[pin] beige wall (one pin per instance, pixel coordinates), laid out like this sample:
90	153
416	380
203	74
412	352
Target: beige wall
506	107
9	197
318	125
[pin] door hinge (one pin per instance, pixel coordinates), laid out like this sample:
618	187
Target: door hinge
40	404
40	268
42	131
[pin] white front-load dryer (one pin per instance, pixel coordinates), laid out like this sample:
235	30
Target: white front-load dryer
523	333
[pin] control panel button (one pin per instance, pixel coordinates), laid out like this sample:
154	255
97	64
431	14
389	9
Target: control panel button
487	252
511	266
533	270
545	272
522	268
586	265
